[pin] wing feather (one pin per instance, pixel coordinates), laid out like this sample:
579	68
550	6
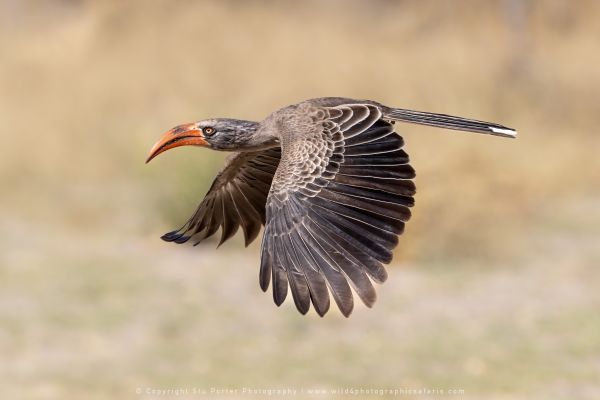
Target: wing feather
339	199
236	198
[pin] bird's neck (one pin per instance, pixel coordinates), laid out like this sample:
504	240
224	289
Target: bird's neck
251	137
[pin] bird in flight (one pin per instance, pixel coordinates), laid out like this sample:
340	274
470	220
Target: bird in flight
329	180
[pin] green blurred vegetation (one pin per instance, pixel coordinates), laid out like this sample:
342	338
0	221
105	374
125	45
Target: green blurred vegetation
495	285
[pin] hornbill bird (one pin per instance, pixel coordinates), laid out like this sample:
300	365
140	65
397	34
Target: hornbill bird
329	180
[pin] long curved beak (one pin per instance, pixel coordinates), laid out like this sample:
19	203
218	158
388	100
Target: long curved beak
181	135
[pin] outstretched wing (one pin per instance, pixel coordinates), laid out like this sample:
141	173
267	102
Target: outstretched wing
338	202
236	197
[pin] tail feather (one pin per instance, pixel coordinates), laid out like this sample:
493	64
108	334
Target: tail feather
450	122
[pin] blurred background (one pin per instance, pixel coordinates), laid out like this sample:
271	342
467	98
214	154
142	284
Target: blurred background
495	285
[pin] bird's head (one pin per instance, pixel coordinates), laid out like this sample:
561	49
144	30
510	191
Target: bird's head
217	134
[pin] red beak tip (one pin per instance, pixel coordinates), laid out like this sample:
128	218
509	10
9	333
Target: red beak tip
186	134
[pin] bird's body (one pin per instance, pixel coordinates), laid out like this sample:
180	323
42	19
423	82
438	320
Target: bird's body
330	181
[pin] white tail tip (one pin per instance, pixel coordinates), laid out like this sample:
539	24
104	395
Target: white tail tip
507	132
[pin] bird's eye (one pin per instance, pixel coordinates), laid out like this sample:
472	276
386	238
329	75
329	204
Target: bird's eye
208	131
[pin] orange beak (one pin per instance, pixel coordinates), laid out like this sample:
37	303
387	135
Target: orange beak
182	135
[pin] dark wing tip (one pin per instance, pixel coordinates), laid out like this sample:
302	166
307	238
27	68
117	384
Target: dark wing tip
174	236
278	300
346	311
302	310
321	313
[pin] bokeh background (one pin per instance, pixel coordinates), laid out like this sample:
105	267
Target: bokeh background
495	285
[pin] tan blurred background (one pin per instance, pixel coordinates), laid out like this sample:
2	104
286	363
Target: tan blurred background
495	287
